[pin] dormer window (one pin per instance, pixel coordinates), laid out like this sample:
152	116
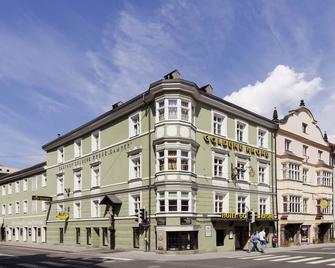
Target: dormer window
304	127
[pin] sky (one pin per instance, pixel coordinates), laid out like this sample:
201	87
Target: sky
62	63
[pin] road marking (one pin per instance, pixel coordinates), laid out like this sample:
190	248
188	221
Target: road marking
256	256
6	255
116	258
306	259
289	258
55	263
331	264
321	261
268	258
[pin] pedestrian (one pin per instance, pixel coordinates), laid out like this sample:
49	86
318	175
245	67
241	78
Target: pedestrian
262	236
254	240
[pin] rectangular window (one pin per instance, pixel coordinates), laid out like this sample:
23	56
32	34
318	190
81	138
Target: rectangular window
324	178
294	172
305	206
134	125
161	201
241	171
172	160
161	110
262	205
95	210
304	150
25	185
185	111
77	235
77	181
295	204
320	155
3	209
136	203
34	206
172	109
76	210
10	209
34	183
218	166
240	132
17	186
287	145
218	124
261	174
88	236
60	185
135	167
304	127
241	204
160	160
304	175
10	190
44	180
172	201
25	206
77	148
3	190
285	204
262	138
60	155
184	160
185	201
95	141
219	203
95	176
43	206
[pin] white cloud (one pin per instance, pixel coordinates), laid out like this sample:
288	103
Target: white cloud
283	88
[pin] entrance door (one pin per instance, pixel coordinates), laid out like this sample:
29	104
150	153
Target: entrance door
323	235
241	237
136	237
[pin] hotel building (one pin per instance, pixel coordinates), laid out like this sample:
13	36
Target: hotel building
174	168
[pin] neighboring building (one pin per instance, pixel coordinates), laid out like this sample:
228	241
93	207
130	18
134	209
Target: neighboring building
23	219
6	170
305	180
195	162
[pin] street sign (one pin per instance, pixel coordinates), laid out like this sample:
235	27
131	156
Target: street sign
42	198
62	215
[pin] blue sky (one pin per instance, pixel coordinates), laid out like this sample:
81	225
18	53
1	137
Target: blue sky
63	63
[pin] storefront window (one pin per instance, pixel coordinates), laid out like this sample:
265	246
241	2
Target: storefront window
182	240
304	233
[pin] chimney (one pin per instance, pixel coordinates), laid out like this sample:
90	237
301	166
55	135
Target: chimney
172	75
115	105
208	89
325	137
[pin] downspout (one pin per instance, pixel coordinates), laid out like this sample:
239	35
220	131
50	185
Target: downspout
276	183
148	246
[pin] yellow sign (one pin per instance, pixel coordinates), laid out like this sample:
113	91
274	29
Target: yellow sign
62	215
235	146
233	216
266	216
324	203
41	198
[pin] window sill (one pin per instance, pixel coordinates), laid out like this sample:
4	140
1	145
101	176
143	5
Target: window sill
60	194
76	191
135	180
263	184
95	187
243	182
219	178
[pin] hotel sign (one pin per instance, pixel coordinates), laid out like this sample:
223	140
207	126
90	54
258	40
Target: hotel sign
265	217
232	145
233	216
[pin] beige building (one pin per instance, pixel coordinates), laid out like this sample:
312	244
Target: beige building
305	180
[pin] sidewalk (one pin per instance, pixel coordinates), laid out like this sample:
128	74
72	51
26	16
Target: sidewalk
140	255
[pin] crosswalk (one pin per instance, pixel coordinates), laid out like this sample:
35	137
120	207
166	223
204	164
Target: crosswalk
291	259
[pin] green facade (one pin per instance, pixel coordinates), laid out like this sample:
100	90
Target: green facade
179	193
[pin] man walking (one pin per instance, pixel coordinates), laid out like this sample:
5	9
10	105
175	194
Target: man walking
254	240
262	239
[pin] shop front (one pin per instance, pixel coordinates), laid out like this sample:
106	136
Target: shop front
324	232
290	234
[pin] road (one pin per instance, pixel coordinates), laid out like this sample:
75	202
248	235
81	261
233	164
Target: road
11	256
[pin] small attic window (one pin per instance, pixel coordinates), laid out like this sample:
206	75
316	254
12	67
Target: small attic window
304	127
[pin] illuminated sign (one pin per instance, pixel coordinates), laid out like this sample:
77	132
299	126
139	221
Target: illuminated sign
324	203
265	216
233	216
62	215
232	145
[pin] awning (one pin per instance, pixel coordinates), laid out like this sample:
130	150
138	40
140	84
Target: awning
110	200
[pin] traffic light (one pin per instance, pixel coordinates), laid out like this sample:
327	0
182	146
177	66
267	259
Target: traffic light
142	212
255	215
136	214
249	216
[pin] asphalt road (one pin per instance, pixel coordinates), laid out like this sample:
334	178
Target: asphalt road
11	256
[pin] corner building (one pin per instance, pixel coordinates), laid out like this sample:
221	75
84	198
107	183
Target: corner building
305	180
193	161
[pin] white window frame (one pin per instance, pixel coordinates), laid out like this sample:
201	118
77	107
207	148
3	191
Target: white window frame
44	180
34	183
245	175
3	209
263	143
78	148
219	128
95	179
17	207
135	166
44	206
9	188
166	197
17	186
293	171
179	156
77	183
25	206
246	198
3	190
220	202
77	209
95	208
10	208
287	144
245	131
178	107
95	140
304	150
134	124
34	206
135	202
266	173
263	207
216	165
60	184
25	184
60	154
